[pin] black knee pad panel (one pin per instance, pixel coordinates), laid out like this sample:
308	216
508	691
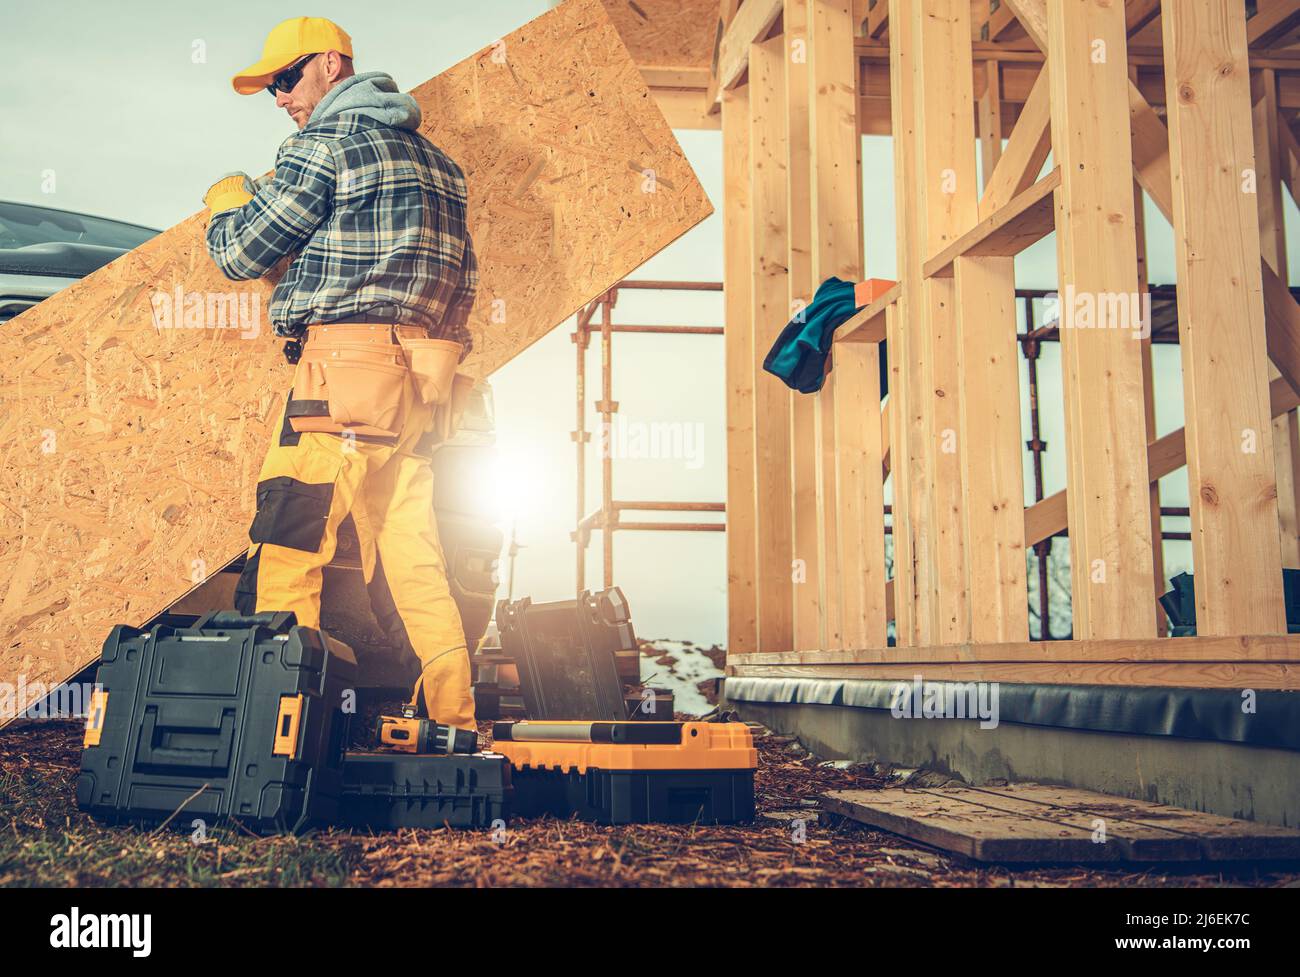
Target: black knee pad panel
291	513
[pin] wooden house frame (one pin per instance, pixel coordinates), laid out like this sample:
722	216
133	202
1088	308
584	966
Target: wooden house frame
1189	101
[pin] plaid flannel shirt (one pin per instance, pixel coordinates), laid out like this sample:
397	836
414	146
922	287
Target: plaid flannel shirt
375	218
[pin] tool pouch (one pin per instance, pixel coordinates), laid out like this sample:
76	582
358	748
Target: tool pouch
432	363
354	384
447	416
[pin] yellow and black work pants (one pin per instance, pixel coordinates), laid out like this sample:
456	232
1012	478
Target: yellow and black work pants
308	483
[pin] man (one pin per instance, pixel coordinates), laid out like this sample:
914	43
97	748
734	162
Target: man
374	303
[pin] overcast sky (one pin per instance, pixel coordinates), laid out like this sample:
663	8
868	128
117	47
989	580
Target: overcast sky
129	104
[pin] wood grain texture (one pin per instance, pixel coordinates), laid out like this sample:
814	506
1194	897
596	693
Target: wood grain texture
742	602
1101	367
1282	676
859	526
1270	131
153	437
769	189
1229	444
1276	648
1038	822
912	477
808	624
947	206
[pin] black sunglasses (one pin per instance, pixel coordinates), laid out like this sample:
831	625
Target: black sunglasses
286	80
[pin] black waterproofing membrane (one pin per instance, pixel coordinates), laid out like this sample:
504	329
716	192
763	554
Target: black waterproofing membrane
1219	715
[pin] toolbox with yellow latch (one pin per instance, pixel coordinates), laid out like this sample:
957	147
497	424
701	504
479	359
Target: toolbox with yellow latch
631	772
239	716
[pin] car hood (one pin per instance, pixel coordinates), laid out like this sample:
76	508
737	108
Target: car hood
61	258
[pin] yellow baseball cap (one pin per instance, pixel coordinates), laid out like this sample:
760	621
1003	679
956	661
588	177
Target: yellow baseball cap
287	42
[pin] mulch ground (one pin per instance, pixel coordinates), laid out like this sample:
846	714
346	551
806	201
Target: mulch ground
45	840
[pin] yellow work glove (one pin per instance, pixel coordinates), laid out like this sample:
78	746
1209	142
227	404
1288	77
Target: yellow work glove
229	193
444	690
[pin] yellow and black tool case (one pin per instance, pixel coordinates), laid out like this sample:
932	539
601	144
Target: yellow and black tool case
631	772
239	716
382	791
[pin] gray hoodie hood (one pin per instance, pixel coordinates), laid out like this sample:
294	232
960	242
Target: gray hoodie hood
372	94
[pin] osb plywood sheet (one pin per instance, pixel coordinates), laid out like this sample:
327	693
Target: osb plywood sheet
136	405
667	33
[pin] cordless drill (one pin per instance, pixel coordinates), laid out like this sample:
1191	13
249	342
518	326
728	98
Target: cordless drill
408	733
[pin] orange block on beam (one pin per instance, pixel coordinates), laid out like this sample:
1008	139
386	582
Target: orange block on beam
864	293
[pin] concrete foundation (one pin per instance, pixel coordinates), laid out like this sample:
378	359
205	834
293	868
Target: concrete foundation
1230	779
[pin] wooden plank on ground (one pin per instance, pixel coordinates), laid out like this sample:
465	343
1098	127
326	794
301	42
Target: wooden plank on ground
575	180
858	531
1229	443
1038	823
769	189
947	820
1106	470
737	287
808	623
1136	841
1218	838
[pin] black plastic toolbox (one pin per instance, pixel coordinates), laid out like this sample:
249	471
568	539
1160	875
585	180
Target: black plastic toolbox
238	716
382	791
566	651
637	797
631	772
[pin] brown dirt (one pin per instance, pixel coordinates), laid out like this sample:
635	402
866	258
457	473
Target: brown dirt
45	840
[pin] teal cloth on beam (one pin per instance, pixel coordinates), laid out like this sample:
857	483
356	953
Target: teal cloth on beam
799	355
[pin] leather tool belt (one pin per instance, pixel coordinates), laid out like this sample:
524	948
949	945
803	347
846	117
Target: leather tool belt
360	378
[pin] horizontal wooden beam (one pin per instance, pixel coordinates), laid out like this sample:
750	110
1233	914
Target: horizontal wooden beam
1024	221
1282	676
1139	56
1164	456
868	325
1234	648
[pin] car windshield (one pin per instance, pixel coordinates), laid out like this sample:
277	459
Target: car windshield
22	225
